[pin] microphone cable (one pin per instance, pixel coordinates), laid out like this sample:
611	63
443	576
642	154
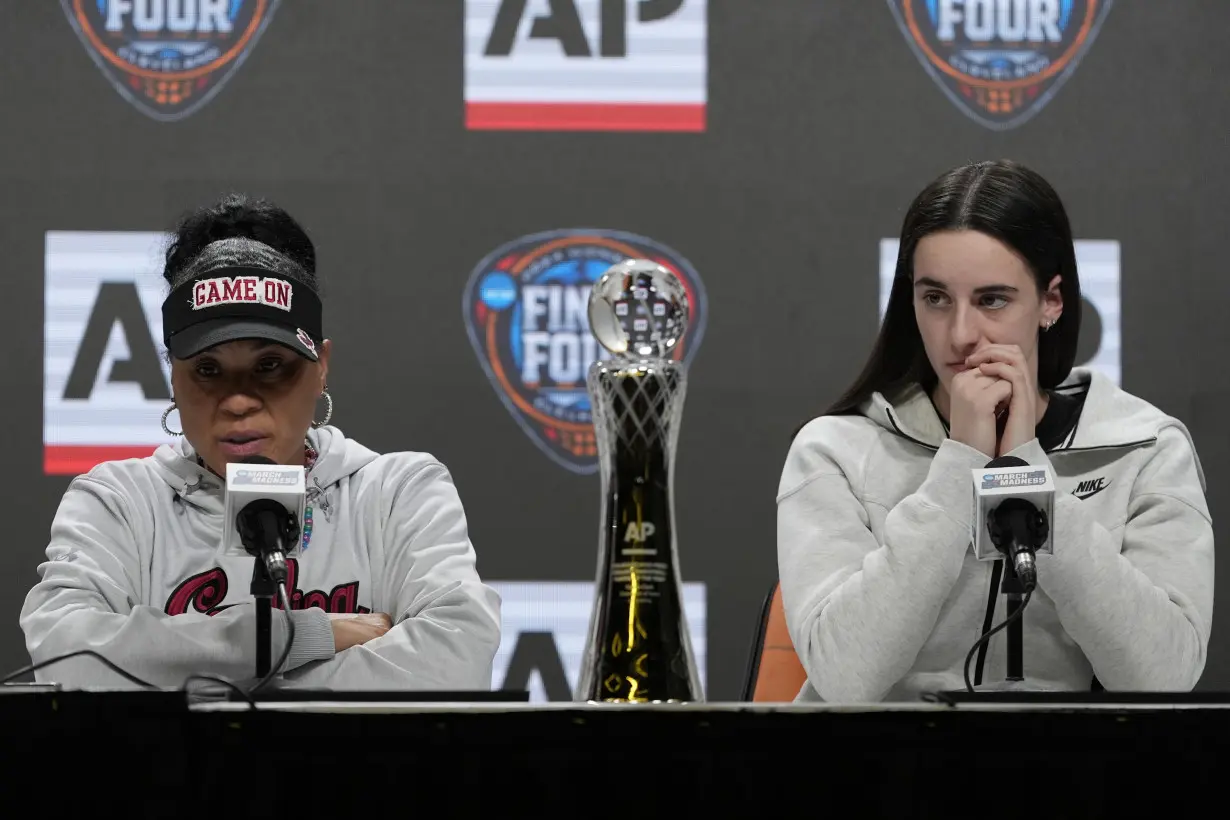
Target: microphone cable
247	695
969	687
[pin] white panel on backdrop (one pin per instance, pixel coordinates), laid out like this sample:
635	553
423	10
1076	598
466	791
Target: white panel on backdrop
586	64
546	624
1097	263
105	381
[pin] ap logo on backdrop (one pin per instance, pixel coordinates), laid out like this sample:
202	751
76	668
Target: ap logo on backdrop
105	381
169	57
1097	264
586	65
1000	61
526	312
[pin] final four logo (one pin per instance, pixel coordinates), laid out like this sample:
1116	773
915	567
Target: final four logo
1000	61
169	57
526	311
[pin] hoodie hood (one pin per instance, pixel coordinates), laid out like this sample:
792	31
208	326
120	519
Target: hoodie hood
338	457
1110	418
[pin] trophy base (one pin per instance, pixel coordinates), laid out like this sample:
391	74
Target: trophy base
638	702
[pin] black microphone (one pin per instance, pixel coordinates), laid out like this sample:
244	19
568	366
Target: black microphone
1016	502
266	527
1017	526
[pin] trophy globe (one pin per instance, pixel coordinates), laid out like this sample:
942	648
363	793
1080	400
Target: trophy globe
638	309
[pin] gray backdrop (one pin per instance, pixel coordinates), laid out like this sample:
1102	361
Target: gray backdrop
822	125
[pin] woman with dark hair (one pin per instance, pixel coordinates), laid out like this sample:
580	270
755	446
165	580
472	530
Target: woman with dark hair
384	593
883	595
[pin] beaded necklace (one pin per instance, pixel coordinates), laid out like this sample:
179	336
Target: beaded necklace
309	461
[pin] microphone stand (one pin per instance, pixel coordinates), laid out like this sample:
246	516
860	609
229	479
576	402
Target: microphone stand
264	527
1017	526
1012	587
263	590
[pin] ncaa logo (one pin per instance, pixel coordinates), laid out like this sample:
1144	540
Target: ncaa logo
169	57
1000	61
526	312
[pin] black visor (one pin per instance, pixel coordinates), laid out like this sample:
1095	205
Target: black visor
229	304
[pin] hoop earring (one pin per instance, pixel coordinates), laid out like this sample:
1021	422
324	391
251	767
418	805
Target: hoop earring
165	414
328	409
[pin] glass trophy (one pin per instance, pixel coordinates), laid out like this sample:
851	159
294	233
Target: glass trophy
638	648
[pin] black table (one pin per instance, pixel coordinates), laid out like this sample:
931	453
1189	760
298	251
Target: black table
154	754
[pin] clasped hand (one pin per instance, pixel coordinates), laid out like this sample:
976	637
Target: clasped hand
998	381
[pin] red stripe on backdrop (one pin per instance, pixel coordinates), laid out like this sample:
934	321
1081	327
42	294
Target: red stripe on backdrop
482	116
63	459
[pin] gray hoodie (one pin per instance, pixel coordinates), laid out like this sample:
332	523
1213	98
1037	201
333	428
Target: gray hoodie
883	596
133	572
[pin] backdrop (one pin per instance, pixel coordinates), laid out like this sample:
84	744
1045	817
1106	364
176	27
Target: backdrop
470	165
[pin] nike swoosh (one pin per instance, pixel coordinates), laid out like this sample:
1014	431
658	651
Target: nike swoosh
1091	493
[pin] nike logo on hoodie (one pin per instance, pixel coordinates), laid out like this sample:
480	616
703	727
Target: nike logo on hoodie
1089	488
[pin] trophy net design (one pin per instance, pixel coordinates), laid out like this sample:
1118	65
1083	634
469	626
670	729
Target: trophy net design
639	649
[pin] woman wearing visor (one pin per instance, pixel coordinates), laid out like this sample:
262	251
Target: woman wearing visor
384	593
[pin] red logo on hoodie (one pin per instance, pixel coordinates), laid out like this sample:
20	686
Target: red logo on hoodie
205	592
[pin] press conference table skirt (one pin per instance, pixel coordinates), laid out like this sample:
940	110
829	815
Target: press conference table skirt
152	754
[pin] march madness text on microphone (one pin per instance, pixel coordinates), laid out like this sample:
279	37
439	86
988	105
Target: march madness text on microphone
1005	478
1002	481
274	477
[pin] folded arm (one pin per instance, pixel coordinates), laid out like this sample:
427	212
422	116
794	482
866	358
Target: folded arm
446	622
87	599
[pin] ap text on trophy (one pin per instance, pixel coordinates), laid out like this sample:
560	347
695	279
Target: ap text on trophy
639	649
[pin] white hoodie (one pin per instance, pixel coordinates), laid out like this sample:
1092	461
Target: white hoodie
133	573
883	596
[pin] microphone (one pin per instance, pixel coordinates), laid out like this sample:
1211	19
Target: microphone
1014	504
261	514
266	502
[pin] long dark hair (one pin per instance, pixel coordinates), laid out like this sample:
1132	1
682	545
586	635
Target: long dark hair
1003	199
